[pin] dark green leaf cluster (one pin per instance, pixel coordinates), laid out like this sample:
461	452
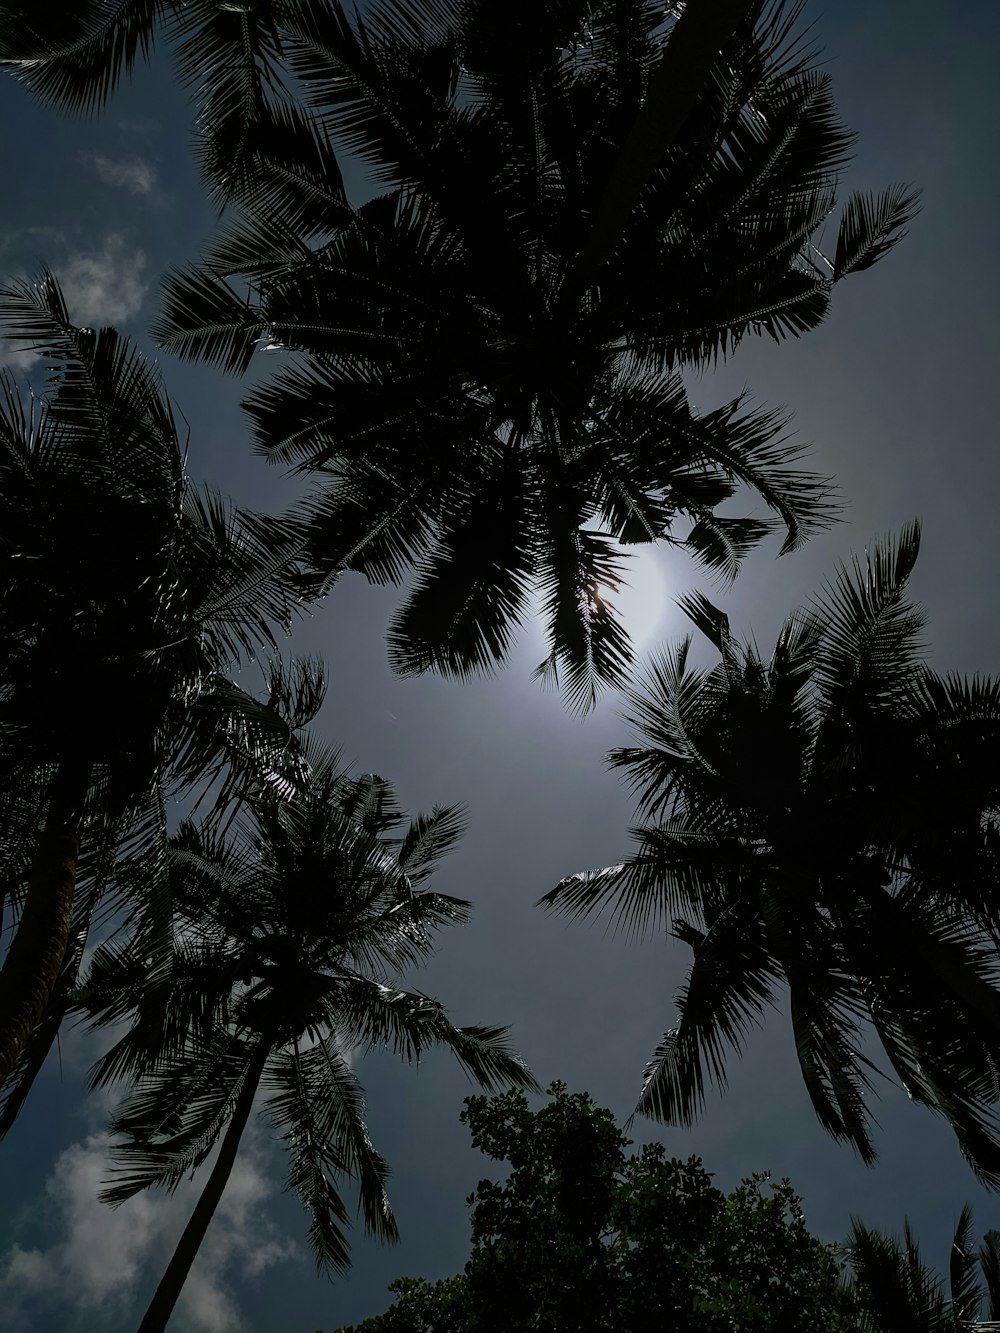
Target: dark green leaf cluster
583	1235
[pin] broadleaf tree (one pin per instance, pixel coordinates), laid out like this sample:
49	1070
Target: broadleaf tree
582	1234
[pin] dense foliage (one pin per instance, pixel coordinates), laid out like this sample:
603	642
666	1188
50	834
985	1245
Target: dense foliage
583	1235
484	405
127	596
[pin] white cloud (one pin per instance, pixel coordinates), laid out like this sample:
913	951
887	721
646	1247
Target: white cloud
19	361
104	1263
129	173
101	287
105	287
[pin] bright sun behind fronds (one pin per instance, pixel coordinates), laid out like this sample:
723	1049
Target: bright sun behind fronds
641	601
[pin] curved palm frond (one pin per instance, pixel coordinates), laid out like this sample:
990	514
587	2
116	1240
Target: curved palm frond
318	1107
732	979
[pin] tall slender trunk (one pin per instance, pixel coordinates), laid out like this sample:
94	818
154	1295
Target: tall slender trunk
161	1307
31	969
695	42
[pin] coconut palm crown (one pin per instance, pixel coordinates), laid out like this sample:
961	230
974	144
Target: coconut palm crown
291	931
822	823
487	391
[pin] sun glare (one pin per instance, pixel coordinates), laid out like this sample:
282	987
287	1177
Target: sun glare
642	600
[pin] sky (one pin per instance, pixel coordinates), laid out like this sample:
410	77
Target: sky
897	394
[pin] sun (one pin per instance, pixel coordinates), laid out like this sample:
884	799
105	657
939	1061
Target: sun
641	601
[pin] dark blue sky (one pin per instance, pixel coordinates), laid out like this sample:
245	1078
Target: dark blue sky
896	392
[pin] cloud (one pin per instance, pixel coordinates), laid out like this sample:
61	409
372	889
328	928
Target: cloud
129	173
105	287
104	1263
19	361
101	287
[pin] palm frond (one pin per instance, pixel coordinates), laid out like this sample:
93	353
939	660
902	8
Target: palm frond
173	1117
873	632
579	574
202	317
428	839
318	1107
411	1023
722	544
233	56
871	226
989	1262
895	1287
471	591
75	55
966	1295
287	176
677	866
731	980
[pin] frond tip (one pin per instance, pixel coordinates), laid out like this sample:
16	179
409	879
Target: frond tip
871	226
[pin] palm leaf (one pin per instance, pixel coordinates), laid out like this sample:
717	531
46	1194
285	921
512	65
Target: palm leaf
74	55
871	226
318	1107
677	867
201	316
428	839
989	1261
731	979
966	1295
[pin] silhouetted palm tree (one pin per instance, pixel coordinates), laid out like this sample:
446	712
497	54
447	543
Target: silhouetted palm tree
485	376
824	822
898	1293
290	936
125	598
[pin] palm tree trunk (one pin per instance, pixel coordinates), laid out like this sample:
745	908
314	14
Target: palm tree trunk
161	1307
31	969
695	42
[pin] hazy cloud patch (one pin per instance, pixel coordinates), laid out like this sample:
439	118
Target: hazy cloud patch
19	360
129	173
104	1263
101	287
105	287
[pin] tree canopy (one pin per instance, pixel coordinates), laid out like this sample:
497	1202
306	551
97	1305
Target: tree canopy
584	1235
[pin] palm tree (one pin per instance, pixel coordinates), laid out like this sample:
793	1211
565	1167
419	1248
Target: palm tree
74	56
824	822
290	934
125	598
485	375
898	1293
